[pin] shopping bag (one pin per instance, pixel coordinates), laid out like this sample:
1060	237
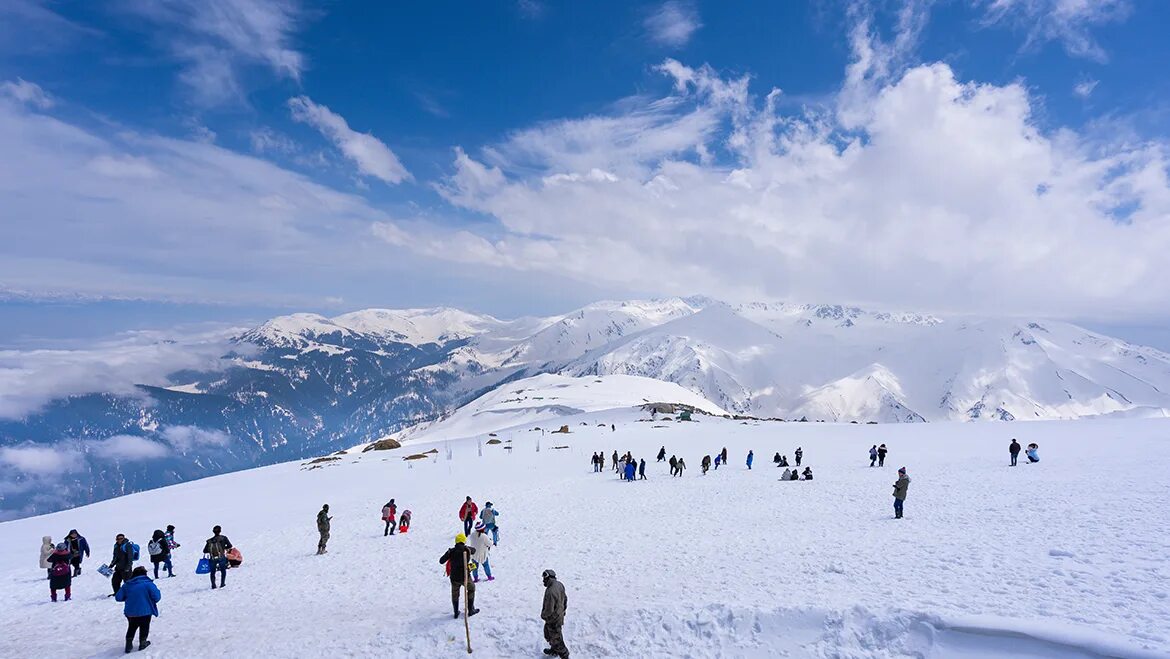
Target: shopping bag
204	566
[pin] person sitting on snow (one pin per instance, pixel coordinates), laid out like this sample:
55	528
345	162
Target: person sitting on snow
808	473
795	475
786	475
776	459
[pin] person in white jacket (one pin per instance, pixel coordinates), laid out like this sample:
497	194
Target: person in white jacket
482	543
46	549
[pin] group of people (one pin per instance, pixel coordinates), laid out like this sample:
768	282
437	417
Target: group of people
877	454
393	522
1033	452
782	460
796	474
627	467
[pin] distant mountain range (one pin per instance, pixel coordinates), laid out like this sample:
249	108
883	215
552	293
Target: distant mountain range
304	384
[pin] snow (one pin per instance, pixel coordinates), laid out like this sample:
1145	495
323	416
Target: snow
191	388
1065	558
417	326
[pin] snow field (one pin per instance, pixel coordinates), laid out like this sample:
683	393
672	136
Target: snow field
1062	559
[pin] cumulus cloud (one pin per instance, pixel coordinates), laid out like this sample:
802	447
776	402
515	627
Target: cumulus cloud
371	156
26	92
672	23
1069	22
39	460
127	448
184	438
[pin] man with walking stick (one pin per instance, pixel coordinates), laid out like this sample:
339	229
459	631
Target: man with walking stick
456	559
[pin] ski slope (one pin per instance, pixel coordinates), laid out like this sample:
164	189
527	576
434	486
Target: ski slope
1066	558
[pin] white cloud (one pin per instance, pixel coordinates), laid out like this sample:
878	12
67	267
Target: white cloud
1084	88
127	448
41	460
1069	22
673	23
267	140
372	157
185	438
27	92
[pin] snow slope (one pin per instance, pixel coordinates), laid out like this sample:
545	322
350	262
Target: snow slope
1066	558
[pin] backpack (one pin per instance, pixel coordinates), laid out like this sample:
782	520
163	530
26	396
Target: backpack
134	551
61	569
154	547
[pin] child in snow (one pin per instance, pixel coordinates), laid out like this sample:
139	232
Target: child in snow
488	516
404	522
60	571
171	546
47	549
718	458
235	557
483	547
1031	453
160	550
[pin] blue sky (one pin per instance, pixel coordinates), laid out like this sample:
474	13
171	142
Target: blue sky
172	161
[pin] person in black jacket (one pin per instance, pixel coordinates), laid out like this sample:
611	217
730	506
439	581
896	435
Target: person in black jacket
1014	449
882	455
78	548
457	559
160	551
122	562
216	549
662	454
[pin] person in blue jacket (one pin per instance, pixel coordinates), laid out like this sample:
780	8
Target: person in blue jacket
718	459
78	548
141	597
751	456
1031	453
630	469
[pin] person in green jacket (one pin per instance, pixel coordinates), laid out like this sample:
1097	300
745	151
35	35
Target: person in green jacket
900	487
552	612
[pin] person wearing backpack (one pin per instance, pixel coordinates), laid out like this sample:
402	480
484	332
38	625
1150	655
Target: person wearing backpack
216	549
141	597
488	516
60	572
78	547
390	516
160	552
122	561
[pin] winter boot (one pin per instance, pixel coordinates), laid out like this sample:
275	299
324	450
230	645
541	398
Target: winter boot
549	651
491	578
143	645
129	647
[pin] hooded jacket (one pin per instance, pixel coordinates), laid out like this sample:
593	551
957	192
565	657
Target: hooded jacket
141	597
64	580
77	544
482	544
468	510
46	549
555	601
456	562
901	486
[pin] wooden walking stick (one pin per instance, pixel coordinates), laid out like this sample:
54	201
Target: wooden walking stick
466	599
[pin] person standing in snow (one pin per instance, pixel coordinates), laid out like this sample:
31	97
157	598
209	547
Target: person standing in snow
216	550
121	563
723	455
705	464
78	547
798	455
662	454
390	516
482	547
631	470
673	465
1032	454
873	455
552	612
488	516
47	549
718	459
881	455
1014	450
467	513
750	457
612	428
681	465
171	547
60	572
456	559
323	523
642	470
593	461
160	550
141	597
900	488
615	461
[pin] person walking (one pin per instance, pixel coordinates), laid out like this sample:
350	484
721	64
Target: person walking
216	550
799	455
718	459
723	455
483	547
881	456
1014	450
121	563
467	513
390	516
456	559
78	547
593	462
673	465
662	454
47	549
160	551
552	612
642	469
60	571
751	456
171	547
323	521
900	488
615	461
873	455
681	465
705	464
488	517
141	596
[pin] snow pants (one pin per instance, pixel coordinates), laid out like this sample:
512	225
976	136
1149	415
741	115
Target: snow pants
139	624
467	524
881	460
898	507
554	633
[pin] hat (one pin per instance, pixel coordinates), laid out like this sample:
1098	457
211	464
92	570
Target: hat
902	470
62	546
460	538
548	574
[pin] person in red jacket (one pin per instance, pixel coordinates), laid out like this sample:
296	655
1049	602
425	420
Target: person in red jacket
467	513
390	516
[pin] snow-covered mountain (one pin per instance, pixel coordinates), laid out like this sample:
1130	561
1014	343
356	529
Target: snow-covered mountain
305	384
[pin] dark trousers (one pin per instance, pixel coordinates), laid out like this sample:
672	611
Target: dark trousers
554	634
117	578
166	563
455	588
218	564
872	460
140	624
76	563
390	523
1015	456
467	524
898	507
798	461
881	460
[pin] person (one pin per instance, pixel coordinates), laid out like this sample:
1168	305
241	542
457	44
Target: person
601	460
456	559
488	516
718	458
1014	450
47	549
776	459
673	465
171	546
808	474
784	461
1031	453
323	520
593	461
390	516
160	551
60	571
216	549
681	465
798	455
642	470
235	558
881	455
723	455
786	475
404	522
662	454
612	428
77	547
467	513
552	612
121	563
873	455
630	469
615	461
141	597
482	547
749	460
900	488
705	464
794	476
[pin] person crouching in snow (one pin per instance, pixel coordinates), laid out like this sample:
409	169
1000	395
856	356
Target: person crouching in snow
776	459
786	476
141	597
808	473
900	488
404	522
456	559
482	546
794	476
60	571
1031	453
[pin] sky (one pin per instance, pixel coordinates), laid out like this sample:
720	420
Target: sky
171	162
